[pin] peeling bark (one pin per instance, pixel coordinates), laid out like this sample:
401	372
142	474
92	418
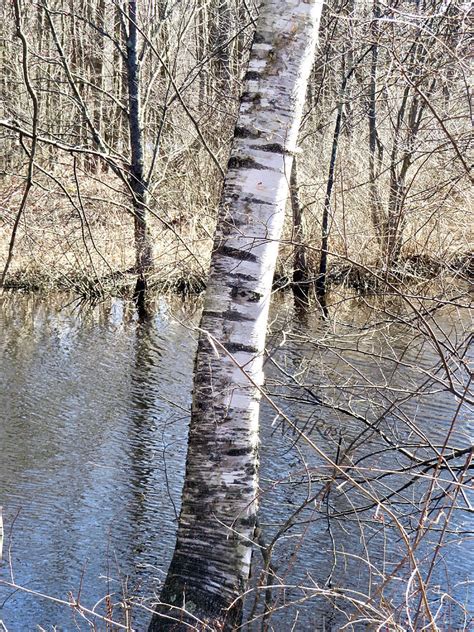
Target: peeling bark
211	561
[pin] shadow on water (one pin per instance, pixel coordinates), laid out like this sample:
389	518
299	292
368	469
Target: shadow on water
93	428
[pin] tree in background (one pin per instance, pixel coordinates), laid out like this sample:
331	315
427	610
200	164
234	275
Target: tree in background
403	112
380	197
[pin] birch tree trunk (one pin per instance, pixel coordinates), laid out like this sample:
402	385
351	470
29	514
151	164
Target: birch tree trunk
211	561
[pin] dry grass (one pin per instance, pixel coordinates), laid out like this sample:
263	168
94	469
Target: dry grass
70	240
83	239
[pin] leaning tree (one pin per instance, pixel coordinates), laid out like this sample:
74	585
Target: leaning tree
211	561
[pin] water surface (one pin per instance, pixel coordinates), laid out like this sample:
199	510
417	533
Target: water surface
93	429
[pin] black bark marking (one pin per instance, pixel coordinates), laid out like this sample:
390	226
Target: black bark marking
250	469
248	200
252	75
242	277
250	295
177	594
257	201
244	132
239	451
235	347
275	148
249	522
248	97
236	162
235	316
230	314
236	253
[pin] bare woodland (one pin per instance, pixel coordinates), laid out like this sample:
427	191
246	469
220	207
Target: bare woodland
134	159
134	125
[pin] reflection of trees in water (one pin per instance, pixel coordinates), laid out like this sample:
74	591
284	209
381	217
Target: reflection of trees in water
142	418
376	398
157	438
84	424
331	534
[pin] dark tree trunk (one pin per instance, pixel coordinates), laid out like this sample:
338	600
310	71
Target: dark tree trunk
301	280
323	260
321	288
375	147
138	186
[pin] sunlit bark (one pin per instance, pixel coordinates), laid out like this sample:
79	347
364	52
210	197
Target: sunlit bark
211	562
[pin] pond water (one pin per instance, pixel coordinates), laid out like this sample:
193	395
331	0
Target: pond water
93	429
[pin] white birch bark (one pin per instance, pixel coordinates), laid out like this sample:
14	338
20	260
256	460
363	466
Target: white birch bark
211	562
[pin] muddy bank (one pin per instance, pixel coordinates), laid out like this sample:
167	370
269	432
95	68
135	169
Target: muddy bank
361	279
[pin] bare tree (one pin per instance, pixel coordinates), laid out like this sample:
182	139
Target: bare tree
211	562
138	185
